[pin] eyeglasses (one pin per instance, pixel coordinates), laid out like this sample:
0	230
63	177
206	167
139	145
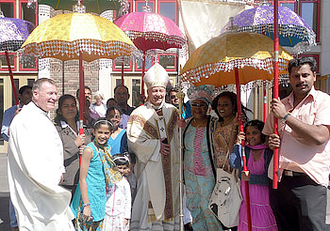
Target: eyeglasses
198	105
173	96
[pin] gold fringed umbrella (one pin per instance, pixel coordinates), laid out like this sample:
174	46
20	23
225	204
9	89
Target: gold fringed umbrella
236	58
252	54
80	36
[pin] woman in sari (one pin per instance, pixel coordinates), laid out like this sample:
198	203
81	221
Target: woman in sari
199	171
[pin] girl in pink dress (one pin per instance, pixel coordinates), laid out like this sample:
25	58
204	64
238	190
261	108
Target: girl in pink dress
257	164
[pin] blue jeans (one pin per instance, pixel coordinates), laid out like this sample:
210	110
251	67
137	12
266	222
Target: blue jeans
12	216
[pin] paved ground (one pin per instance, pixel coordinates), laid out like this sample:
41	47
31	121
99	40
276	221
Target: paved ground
4	194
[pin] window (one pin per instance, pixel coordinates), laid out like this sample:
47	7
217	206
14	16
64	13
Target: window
149	63
127	64
16	81
168	9
141	4
136	90
309	10
27	63
118	82
30	82
7	8
1	107
168	61
28	14
3	61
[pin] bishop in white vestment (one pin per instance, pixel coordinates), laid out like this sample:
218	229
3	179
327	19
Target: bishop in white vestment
153	136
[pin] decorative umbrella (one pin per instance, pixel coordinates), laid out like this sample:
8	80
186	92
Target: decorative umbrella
151	31
13	32
234	58
96	6
78	36
213	63
295	35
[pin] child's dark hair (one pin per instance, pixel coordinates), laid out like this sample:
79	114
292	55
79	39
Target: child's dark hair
132	157
121	159
259	125
102	121
112	108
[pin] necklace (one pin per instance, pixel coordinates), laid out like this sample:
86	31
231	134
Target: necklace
223	123
199	124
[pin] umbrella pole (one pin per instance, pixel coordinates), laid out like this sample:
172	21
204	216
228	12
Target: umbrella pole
246	183
180	95
265	100
143	70
122	73
12	78
276	51
81	94
63	78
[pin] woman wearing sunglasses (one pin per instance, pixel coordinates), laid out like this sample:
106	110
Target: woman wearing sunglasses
199	169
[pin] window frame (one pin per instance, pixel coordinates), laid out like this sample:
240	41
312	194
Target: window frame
13	68
20	68
143	1
10	53
130	69
176	8
298	11
318	18
20	10
14	6
140	69
175	61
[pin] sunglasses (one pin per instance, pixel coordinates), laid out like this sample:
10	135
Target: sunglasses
198	105
173	96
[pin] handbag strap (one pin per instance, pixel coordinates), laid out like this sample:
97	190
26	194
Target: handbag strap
208	138
227	153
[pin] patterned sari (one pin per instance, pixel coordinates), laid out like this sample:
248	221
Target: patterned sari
199	179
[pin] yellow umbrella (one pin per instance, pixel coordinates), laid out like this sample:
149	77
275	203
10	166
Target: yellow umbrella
78	36
234	59
252	54
66	35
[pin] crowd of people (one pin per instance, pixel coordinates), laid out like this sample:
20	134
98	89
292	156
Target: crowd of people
123	171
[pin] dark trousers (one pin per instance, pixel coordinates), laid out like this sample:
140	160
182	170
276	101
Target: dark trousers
299	204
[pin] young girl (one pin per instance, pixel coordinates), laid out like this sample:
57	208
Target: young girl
97	172
257	164
118	206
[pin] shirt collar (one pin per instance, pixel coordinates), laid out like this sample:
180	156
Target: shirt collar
65	124
312	93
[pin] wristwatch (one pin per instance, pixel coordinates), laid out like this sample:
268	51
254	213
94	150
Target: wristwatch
285	117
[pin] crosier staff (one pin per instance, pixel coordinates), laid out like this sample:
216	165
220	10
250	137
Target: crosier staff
180	96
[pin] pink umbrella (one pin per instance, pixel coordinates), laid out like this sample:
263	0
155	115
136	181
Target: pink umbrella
151	31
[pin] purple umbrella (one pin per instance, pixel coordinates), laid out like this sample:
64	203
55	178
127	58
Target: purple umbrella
294	33
13	33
